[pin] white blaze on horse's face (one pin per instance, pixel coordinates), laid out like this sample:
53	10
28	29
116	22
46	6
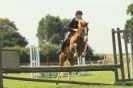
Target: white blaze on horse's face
85	38
85	29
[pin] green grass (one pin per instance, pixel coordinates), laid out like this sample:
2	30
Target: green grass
101	76
23	84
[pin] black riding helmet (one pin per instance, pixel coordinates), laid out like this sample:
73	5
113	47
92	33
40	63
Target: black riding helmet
78	12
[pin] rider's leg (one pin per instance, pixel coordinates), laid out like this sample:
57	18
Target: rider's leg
65	39
63	44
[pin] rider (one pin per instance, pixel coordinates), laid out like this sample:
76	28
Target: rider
73	26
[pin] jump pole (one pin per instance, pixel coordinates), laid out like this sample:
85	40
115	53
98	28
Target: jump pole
81	61
34	60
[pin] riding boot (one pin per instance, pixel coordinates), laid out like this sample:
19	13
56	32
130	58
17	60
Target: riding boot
64	42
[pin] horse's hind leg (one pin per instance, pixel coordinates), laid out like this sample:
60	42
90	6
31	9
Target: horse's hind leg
62	59
71	60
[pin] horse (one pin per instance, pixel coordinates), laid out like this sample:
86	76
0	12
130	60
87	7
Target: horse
75	46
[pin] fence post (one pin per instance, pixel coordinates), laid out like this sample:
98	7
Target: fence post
127	56
114	54
1	73
121	55
131	61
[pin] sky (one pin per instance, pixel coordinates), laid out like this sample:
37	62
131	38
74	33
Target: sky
103	15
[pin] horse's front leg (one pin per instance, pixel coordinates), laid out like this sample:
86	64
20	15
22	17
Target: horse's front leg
72	61
62	59
75	50
73	47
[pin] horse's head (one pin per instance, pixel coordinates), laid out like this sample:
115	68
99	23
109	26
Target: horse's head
82	23
82	27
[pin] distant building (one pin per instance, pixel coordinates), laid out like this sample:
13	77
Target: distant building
10	58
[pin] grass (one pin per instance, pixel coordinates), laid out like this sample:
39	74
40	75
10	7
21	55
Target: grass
23	84
98	76
95	76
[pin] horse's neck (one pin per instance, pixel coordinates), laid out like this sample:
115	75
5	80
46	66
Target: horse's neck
80	39
78	32
75	34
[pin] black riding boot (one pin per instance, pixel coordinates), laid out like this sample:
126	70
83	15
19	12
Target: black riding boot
64	42
62	47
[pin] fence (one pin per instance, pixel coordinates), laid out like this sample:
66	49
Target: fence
113	67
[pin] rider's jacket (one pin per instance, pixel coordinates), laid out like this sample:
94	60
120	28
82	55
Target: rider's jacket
73	24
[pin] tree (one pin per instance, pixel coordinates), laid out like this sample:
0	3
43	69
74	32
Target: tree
129	23
130	9
49	50
7	24
9	34
51	29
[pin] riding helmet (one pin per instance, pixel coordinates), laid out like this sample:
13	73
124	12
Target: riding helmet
78	12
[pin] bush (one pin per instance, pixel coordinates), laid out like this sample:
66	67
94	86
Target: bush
49	51
98	56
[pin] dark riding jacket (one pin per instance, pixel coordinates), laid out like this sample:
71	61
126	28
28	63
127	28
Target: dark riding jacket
73	24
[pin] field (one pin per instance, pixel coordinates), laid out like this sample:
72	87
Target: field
91	76
98	76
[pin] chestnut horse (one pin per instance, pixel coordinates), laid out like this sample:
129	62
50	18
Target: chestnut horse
75	46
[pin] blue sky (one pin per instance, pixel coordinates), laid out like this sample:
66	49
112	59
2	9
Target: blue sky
103	15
